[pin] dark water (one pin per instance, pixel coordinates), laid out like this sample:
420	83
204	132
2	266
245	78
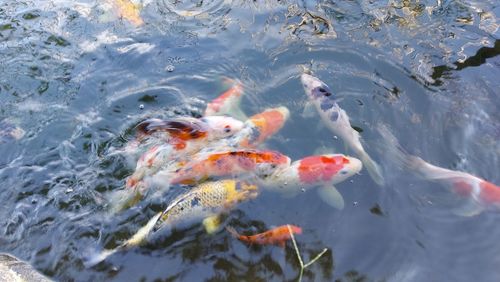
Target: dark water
73	75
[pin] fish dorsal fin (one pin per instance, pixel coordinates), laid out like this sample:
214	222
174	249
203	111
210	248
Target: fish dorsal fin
330	195
309	109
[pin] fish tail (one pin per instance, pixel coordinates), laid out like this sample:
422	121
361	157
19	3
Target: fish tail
233	232
236	235
396	152
372	167
137	239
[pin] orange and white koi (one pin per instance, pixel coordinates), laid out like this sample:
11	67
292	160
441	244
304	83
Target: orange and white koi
320	170
261	126
337	120
204	202
231	163
228	103
480	193
275	236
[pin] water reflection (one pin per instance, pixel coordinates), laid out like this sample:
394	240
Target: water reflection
75	82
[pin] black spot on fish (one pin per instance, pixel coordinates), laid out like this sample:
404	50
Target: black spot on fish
326	104
321	91
195	201
334	116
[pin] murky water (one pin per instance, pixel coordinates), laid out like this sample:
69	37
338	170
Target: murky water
76	76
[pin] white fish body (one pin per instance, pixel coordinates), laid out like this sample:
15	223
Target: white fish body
337	121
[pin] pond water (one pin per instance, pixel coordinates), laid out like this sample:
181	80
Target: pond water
76	76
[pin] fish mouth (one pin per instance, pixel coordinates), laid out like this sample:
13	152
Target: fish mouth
354	165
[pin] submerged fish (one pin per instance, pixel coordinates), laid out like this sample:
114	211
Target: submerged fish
182	137
129	11
275	236
321	170
337	121
228	103
204	202
258	128
480	194
232	163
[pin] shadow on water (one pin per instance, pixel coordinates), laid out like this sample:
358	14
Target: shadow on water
473	61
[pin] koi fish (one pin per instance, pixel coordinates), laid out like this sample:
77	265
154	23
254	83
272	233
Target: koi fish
480	194
261	126
275	236
204	202
183	136
228	103
336	119
232	163
129	11
321	170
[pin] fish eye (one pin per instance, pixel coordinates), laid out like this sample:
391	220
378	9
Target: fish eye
227	129
273	166
343	172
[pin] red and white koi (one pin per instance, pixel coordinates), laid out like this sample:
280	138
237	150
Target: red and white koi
320	170
480	193
276	236
228	103
337	120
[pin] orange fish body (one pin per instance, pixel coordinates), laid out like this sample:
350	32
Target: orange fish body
275	236
226	102
264	125
233	163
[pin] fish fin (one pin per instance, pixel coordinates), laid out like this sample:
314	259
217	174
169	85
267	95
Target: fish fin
237	113
123	199
140	236
373	168
470	208
97	258
330	195
232	231
212	224
309	110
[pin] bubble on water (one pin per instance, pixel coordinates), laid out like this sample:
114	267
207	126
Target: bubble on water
303	190
355	203
141	106
170	68
335	137
69	190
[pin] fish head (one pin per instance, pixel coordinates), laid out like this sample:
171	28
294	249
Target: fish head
330	168
223	126
295	229
315	88
269	162
264	125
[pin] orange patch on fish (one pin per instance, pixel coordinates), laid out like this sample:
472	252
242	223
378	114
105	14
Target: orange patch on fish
462	188
275	236
227	163
267	123
323	168
490	193
234	92
180	129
